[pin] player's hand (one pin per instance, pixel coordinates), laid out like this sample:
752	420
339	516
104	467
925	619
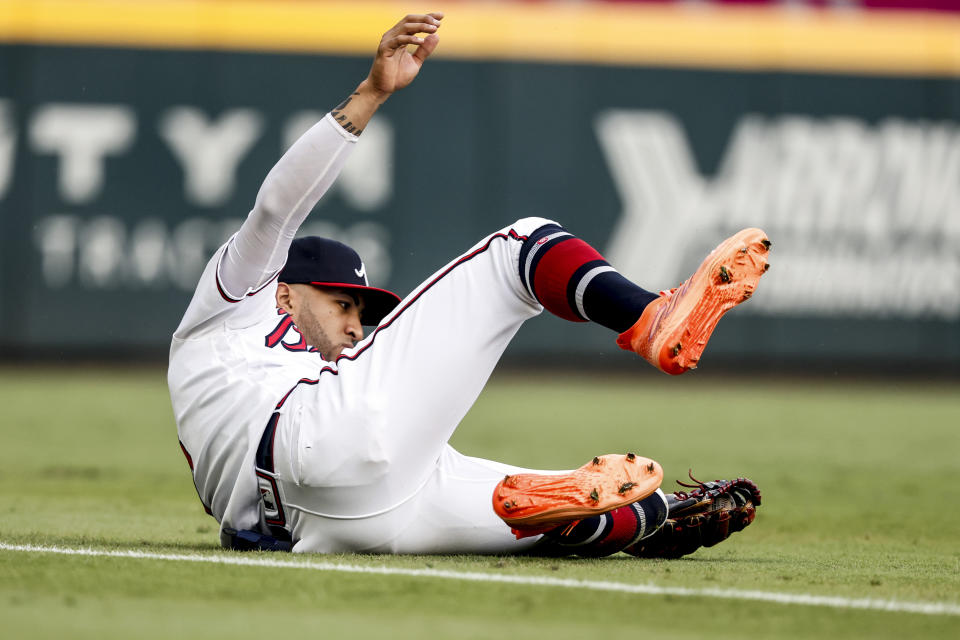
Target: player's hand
395	66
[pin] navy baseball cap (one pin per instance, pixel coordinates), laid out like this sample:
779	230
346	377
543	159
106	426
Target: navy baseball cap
328	263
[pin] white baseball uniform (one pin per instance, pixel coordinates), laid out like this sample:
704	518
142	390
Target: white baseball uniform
360	454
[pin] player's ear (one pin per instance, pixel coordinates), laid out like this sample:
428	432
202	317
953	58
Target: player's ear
284	296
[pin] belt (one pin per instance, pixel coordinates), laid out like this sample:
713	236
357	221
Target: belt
273	510
264	459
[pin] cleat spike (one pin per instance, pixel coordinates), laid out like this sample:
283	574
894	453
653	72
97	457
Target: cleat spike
766	267
596	461
626	486
676	349
724	274
595	495
631	457
650	468
766	243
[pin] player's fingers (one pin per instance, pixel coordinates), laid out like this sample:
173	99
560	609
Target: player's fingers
389	47
415	23
429	44
434	18
418	27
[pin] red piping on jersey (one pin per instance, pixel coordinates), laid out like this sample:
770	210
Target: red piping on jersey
189	459
190	462
396	312
299	382
224	294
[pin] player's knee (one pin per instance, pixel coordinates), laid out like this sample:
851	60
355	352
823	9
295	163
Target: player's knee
526	226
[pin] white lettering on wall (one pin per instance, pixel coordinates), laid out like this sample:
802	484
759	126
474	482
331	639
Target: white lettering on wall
106	252
654	171
99	252
865	220
82	136
136	253
56	238
209	150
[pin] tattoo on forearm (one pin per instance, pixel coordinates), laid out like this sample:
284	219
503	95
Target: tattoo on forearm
343	104
342	119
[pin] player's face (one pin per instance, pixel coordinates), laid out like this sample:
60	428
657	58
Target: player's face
328	319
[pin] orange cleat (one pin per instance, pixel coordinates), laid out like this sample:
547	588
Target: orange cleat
674	329
535	502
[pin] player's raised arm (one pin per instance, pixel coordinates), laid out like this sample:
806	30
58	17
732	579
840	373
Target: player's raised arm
305	172
394	67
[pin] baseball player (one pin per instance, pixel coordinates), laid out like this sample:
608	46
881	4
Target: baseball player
302	431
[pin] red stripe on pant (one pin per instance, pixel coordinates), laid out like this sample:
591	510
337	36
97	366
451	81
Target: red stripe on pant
553	272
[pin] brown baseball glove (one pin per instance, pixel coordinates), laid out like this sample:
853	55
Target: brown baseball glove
703	517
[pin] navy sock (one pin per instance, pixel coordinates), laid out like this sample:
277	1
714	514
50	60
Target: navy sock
573	281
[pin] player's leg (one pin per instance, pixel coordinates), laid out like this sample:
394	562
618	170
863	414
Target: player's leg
572	280
452	514
365	435
469	525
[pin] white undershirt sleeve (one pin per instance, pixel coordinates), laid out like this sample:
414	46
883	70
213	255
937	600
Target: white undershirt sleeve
290	191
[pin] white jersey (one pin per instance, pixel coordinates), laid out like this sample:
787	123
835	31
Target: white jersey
234	355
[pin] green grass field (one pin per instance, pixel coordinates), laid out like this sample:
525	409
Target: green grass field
859	483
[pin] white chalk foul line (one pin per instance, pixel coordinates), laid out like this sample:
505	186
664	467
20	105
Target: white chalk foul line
836	602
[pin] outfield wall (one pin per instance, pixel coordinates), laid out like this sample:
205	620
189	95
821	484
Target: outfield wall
131	145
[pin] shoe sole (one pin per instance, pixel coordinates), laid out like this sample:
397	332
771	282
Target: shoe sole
725	278
533	500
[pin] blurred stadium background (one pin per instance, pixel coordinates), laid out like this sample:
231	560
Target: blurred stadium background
134	136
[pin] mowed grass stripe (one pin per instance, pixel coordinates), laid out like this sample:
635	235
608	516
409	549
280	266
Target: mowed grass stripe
836	602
